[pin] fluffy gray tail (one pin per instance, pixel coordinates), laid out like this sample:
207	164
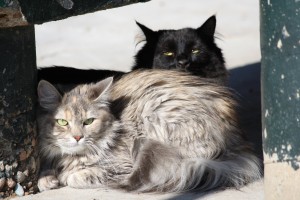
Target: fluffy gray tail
205	174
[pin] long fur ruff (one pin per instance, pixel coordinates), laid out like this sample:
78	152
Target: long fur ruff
154	131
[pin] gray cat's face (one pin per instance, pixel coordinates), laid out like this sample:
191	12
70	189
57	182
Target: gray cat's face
76	123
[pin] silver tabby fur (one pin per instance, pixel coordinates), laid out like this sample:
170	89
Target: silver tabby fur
153	131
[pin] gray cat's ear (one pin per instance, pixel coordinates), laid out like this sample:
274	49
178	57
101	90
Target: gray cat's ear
208	27
147	31
100	90
49	97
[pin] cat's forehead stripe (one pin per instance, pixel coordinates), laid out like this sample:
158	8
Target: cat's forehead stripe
72	111
68	114
74	99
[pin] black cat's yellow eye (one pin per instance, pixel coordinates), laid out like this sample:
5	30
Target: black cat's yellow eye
168	53
88	121
195	51
62	122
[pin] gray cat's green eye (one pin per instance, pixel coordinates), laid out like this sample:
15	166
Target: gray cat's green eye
88	121
62	122
168	53
195	51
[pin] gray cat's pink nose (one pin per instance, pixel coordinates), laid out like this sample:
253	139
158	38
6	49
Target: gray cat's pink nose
77	138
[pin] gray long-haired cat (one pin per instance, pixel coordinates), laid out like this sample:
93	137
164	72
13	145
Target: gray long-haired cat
149	131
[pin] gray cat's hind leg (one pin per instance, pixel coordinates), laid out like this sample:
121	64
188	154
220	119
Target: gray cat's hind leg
155	166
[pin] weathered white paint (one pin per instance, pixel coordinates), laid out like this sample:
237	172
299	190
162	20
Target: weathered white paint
265	133
267	113
285	33
281	91
289	147
269	2
279	44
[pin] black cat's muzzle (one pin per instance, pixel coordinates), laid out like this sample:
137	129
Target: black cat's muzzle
182	64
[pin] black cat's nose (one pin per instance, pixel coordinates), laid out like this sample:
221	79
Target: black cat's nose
183	63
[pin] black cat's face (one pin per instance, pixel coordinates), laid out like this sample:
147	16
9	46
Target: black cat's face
188	49
182	49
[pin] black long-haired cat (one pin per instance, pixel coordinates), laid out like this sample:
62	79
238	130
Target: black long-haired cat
191	50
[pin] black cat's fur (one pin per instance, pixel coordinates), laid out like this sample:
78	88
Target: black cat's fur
68	75
66	78
207	62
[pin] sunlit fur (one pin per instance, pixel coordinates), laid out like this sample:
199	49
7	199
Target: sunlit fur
154	130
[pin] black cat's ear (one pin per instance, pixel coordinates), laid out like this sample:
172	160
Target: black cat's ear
49	97
100	90
208	27
147	31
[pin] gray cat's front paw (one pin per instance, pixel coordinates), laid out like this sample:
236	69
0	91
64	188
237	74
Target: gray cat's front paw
86	178
47	182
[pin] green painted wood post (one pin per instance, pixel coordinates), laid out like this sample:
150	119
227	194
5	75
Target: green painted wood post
280	49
